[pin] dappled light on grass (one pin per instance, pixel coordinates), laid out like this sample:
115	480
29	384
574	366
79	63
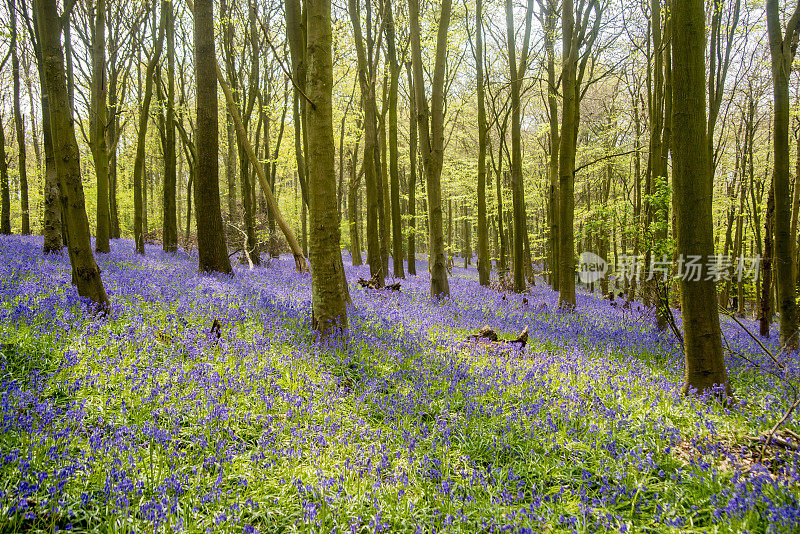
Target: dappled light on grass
145	420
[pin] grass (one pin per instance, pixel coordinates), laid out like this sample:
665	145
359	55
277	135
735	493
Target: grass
144	421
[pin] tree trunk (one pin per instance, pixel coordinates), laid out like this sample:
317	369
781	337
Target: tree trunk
85	272
384	215
517	73
19	123
99	119
765	317
394	177
484	263
366	78
139	178
112	141
5	190
432	140
567	148
783	51
170	222
329	300
352	209
412	177
211	247
552	106
704	363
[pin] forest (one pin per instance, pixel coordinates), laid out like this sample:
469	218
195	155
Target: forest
434	266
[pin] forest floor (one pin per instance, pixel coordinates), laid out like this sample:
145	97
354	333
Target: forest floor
145	420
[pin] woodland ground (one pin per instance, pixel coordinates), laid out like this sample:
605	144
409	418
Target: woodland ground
143	420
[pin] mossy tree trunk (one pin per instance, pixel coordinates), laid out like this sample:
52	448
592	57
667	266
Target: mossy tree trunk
211	247
329	300
431	133
704	362
99	120
85	272
783	49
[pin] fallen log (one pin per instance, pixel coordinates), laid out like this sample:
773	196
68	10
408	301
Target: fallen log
487	335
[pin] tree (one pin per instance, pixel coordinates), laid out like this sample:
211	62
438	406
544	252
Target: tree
99	121
19	122
704	363
327	292
51	220
5	191
366	79
394	177
85	272
484	263
517	72
548	18
139	204
170	222
412	175
782	49
576	36
211	247
431	138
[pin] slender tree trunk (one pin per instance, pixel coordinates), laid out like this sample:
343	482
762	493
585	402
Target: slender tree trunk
705	366
765	317
384	214
211	247
366	78
484	263
113	141
432	140
85	272
52	230
394	177
783	50
517	73
170	223
19	123
567	148
139	175
99	121
329	299
352	209
5	190
552	105
412	177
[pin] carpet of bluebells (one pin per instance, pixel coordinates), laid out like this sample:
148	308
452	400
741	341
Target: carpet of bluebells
143	420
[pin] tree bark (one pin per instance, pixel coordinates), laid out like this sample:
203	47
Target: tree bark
5	191
329	300
767	290
85	272
366	78
19	123
782	49
394	177
567	148
432	137
412	177
99	119
484	263
170	222
517	72
139	178
552	107
704	363
211	247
